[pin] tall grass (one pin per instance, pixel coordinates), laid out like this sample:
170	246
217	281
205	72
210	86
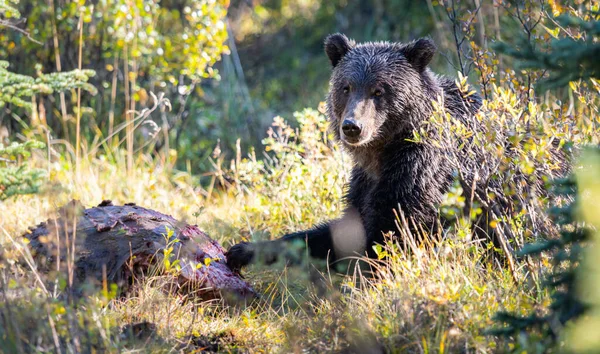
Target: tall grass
422	300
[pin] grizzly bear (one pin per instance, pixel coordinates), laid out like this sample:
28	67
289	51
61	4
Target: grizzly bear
379	94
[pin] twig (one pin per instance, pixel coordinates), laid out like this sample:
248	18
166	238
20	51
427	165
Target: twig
459	40
22	31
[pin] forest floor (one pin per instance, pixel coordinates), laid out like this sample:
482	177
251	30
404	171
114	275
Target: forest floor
439	300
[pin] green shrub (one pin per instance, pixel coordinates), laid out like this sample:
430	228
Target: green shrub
571	59
16	178
15	88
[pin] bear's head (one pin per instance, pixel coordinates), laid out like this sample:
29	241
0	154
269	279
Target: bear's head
378	90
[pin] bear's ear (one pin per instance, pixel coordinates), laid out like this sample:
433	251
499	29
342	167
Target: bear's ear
336	46
419	53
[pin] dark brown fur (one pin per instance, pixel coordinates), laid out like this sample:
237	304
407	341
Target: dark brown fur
385	91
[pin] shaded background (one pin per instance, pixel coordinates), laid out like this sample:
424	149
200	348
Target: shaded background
229	68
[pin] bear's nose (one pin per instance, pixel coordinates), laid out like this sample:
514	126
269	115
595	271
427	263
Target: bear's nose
351	128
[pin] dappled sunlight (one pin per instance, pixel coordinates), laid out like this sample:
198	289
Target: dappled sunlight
195	109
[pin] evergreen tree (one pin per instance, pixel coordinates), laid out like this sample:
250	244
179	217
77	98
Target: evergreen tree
16	178
15	88
566	253
571	56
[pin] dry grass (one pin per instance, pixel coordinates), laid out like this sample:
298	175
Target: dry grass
434	301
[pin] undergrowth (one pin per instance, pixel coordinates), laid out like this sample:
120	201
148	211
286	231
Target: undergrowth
421	300
436	299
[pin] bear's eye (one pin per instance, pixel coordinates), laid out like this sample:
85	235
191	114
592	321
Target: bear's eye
377	93
346	89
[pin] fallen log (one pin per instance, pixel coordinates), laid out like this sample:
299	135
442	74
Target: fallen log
124	244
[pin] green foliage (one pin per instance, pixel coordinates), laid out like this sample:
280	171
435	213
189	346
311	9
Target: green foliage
566	323
541	330
162	40
581	336
504	157
281	45
14	87
27	325
16	178
134	47
168	42
300	166
571	55
421	301
9	10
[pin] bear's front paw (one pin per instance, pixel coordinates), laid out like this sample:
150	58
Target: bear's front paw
240	255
